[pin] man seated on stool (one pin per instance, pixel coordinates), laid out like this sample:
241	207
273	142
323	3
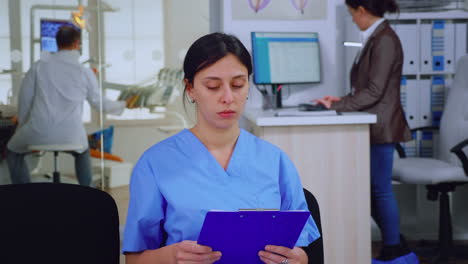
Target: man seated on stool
50	107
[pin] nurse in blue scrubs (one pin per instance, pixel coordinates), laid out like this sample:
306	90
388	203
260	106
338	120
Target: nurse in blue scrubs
214	165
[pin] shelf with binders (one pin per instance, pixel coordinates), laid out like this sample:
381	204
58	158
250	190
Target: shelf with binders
431	46
432	43
423	103
423	99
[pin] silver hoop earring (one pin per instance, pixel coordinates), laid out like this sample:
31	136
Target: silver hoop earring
192	100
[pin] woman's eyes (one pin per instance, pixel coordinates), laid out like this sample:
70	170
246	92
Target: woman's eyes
236	86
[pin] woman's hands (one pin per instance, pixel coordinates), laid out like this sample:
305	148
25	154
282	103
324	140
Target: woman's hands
190	252
328	100
283	255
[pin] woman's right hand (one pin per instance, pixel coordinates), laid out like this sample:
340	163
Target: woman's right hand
190	252
332	98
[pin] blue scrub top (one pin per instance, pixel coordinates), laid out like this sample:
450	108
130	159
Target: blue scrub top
177	181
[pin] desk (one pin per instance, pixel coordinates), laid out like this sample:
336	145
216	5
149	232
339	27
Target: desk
331	154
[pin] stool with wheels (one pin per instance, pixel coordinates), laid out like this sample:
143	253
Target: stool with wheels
55	148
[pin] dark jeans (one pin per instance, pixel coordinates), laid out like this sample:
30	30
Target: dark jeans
384	207
19	171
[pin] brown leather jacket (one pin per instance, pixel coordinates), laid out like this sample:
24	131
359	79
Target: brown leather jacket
375	81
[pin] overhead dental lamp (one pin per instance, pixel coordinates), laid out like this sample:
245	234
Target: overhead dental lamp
78	18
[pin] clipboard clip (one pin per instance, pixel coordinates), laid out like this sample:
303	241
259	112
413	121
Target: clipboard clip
257	209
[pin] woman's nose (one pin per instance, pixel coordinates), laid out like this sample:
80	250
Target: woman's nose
227	96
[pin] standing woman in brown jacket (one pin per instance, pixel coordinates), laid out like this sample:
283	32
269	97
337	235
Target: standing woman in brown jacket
375	88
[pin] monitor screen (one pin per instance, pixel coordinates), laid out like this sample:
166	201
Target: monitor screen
285	57
49	28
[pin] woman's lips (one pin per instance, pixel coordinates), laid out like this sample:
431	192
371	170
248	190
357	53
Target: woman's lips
227	113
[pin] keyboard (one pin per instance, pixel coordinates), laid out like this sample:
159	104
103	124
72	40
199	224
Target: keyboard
312	107
295	112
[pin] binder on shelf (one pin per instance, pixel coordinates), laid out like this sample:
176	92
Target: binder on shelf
437	98
410	147
240	235
403	95
425	113
407	33
460	40
426	145
437	46
426	48
410	101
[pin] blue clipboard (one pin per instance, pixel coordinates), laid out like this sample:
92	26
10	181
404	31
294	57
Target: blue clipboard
241	235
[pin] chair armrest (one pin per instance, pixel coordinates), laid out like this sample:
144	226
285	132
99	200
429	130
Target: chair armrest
458	150
426	128
400	150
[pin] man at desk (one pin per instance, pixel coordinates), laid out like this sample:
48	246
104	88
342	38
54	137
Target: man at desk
50	107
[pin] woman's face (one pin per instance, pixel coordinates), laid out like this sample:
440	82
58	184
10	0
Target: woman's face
358	16
220	92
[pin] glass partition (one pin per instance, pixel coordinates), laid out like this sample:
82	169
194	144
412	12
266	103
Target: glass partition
134	48
133	51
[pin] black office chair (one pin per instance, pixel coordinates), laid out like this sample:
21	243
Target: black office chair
315	249
57	223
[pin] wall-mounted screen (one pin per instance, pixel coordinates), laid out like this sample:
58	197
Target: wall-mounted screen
286	57
49	28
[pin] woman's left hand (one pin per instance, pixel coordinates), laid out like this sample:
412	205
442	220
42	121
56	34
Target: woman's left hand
283	255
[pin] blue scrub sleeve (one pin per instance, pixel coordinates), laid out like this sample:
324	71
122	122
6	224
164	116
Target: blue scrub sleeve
145	210
292	198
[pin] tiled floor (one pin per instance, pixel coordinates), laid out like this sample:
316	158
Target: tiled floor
424	250
121	197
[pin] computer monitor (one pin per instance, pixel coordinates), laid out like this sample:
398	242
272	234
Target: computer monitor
49	28
286	57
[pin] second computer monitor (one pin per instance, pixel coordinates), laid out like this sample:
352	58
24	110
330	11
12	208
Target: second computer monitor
286	57
49	28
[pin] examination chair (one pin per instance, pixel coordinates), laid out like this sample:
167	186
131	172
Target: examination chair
57	224
450	169
315	249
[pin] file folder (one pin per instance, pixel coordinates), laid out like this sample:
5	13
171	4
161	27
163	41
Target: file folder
426	48
425	113
409	95
411	146
406	33
437	99
437	46
241	235
426	146
460	40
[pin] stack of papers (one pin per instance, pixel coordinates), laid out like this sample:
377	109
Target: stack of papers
295	112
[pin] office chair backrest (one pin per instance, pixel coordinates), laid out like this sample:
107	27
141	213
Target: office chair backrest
57	223
315	249
454	122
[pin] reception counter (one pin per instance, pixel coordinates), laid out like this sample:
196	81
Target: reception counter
331	153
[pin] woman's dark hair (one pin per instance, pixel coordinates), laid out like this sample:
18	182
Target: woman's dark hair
375	7
66	36
210	48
